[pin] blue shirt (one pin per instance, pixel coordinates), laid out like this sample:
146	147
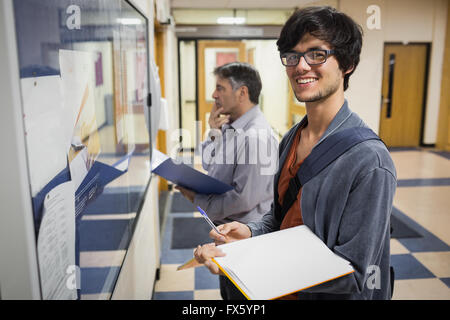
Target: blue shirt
243	154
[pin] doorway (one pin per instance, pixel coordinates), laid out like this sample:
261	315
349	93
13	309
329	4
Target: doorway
197	60
403	94
212	54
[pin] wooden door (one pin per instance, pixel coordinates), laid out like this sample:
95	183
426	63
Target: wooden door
403	92
212	54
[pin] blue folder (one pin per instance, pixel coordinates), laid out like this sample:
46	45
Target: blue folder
97	178
190	178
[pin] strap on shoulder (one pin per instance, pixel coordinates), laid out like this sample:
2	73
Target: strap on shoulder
322	155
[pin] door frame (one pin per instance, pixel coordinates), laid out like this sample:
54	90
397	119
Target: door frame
425	89
201	81
19	274
197	39
180	111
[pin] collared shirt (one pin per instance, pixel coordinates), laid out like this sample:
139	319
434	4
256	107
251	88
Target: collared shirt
245	155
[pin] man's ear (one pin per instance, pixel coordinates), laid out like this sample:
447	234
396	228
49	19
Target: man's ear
349	70
243	92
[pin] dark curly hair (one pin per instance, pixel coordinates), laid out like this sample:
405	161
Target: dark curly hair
329	25
241	74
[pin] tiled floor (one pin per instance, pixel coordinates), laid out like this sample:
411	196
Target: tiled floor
422	265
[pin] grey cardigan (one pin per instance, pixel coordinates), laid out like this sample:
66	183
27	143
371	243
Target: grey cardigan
348	206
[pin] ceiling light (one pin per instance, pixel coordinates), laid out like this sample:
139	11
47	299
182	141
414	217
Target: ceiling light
129	21
231	20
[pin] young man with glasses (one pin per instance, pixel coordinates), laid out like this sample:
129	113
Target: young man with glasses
348	204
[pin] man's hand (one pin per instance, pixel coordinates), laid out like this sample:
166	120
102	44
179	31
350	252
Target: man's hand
232	231
215	120
187	193
204	254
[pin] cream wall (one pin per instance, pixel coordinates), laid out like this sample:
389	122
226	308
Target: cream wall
137	276
274	93
401	21
435	71
364	89
210	16
171	85
187	65
187	73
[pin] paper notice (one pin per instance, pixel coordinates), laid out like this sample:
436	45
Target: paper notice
44	120
77	76
56	244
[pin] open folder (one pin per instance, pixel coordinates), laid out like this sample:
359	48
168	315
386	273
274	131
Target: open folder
186	176
280	263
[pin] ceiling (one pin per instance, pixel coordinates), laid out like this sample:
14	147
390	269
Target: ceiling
239	4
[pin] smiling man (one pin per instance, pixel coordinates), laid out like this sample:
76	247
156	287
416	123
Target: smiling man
348	204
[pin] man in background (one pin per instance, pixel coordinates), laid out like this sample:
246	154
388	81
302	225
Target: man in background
240	150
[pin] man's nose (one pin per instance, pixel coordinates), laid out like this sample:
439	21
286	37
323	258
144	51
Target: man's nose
303	65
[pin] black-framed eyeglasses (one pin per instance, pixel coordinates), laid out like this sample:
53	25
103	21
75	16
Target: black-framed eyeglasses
312	57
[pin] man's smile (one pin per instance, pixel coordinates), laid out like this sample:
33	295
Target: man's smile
306	80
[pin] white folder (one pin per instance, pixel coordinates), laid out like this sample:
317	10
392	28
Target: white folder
280	263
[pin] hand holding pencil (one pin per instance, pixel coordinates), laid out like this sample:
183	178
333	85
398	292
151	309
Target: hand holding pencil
229	232
221	234
224	233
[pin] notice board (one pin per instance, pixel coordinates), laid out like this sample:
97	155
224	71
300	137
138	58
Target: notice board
84	86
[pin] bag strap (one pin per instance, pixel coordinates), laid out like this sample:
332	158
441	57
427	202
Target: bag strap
321	156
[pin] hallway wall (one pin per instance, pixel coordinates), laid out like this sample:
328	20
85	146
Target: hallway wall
401	21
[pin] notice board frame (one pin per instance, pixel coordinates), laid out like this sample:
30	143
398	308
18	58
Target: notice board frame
49	71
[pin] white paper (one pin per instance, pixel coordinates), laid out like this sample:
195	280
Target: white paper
282	262
76	73
44	120
77	77
164	115
56	243
157	158
78	168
